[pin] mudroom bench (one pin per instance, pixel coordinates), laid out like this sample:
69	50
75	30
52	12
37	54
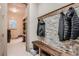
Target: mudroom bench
45	50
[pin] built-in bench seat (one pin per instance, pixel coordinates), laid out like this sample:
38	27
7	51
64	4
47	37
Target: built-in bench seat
42	47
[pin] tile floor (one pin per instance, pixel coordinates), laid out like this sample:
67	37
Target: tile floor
17	48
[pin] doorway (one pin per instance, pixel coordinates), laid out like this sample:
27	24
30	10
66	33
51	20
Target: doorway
16	32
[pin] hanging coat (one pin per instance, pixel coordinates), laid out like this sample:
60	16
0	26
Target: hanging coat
64	27
67	28
67	25
41	29
61	27
74	23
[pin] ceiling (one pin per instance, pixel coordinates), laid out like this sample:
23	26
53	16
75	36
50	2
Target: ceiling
16	10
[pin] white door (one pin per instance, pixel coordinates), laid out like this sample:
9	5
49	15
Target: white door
3	29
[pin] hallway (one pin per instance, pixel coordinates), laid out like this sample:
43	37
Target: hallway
17	48
16	17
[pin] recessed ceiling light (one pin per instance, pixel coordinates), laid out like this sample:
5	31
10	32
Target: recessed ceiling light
14	10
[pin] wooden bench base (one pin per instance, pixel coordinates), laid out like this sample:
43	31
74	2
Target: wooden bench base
41	47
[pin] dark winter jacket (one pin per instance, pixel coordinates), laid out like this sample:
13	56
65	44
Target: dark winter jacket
61	27
68	25
64	28
74	22
41	28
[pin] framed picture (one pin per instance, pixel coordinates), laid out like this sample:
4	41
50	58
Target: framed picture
12	24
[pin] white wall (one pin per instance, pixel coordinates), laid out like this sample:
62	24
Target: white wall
3	29
32	24
48	7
